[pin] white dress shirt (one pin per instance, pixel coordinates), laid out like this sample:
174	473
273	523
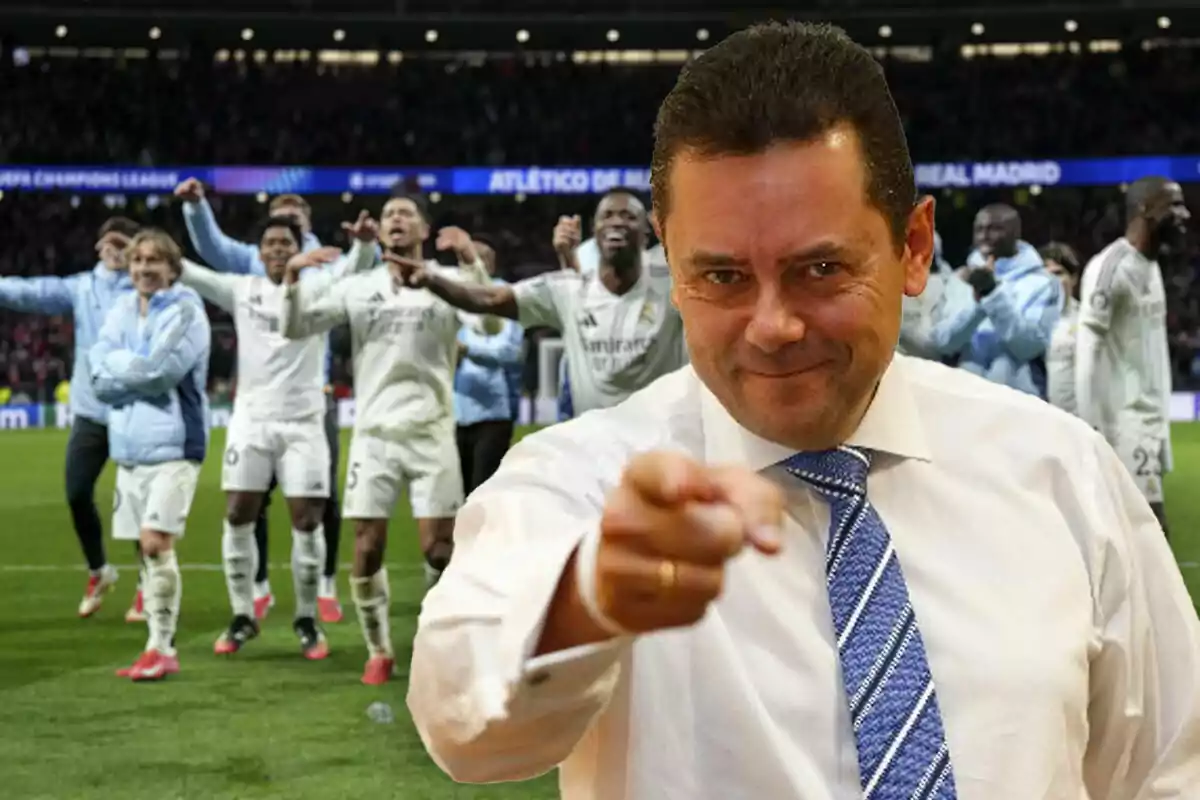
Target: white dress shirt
1063	644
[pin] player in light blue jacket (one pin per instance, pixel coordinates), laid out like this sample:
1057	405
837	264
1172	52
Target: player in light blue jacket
1000	313
150	365
225	254
87	296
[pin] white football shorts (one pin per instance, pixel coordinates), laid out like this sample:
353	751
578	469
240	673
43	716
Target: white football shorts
1142	455
154	496
296	452
426	465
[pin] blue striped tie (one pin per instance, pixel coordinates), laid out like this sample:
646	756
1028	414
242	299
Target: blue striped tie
902	751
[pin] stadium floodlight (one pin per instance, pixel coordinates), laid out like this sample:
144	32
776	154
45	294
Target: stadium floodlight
885	31
1035	189
156	32
431	36
522	36
339	35
1164	22
435	197
61	31
977	28
347	197
613	35
261	197
247	34
702	34
1071	26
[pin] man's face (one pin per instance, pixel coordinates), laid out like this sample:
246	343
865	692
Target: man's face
620	229
789	284
1168	213
295	212
149	269
401	225
111	249
277	247
1064	275
996	233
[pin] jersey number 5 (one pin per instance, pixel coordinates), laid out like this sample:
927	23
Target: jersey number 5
352	476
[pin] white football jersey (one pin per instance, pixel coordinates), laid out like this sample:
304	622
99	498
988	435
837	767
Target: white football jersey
614	344
277	378
404	342
1123	300
1060	359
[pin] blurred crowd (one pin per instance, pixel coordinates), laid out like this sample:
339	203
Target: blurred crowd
552	112
447	113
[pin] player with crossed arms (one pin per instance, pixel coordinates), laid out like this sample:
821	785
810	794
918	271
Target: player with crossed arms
277	428
404	345
150	364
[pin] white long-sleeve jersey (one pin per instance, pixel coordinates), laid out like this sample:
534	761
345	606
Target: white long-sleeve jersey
1122	360
278	378
404	343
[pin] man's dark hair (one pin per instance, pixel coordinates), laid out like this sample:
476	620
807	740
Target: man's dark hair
281	221
1062	253
786	82
1141	192
401	192
122	225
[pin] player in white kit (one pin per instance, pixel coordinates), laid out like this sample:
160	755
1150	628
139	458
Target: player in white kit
1062	262
1122	363
277	427
405	348
620	329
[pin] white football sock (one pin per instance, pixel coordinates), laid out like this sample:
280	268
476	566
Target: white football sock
241	561
164	588
261	588
327	587
372	599
308	559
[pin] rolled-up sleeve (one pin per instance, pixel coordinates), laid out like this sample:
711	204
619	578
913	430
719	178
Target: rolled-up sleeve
486	709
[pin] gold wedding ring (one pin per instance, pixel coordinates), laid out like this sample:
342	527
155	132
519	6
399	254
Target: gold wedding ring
668	574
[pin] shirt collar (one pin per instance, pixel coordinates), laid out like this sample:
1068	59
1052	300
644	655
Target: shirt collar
891	425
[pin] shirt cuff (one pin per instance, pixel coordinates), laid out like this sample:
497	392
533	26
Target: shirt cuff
556	680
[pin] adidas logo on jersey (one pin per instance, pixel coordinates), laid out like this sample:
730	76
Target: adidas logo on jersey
375	298
256	299
588	320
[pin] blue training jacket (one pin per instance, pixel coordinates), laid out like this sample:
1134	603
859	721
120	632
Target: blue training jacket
153	371
487	383
88	297
1004	336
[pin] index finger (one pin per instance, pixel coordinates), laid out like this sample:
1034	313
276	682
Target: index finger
668	479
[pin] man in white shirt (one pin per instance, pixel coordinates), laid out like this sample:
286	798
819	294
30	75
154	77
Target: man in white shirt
620	328
277	428
1062	262
1122	360
695	595
405	347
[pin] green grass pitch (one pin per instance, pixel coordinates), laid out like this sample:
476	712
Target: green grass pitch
264	724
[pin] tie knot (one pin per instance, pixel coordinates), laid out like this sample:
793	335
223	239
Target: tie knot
832	472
